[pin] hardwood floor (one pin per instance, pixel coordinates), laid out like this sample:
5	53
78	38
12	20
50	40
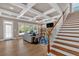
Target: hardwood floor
21	48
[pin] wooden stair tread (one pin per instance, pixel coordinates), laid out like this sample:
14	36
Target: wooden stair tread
70	27
69	32
71	23
75	46
66	50
68	40
77	21
68	35
56	53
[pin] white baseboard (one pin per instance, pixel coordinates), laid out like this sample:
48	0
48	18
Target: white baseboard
4	39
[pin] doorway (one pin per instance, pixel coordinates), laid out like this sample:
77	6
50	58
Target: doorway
8	30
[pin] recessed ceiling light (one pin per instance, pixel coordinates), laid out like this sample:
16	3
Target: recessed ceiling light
11	8
37	21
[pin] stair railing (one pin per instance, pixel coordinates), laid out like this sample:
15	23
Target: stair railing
55	29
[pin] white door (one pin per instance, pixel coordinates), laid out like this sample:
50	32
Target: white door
8	30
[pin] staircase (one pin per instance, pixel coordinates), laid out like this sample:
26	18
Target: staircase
67	39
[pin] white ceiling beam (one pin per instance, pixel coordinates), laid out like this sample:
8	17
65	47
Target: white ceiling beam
7	16
8	12
27	17
28	7
32	10
21	20
24	17
44	14
39	14
12	13
25	9
56	16
56	7
20	5
49	11
35	11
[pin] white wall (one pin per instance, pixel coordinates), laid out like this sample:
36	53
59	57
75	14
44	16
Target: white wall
15	26
63	6
1	28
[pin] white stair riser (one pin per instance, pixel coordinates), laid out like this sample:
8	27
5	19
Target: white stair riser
68	42
70	28
68	47
68	34
68	38
69	31
63	52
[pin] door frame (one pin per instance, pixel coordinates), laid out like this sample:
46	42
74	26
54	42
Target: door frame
4	28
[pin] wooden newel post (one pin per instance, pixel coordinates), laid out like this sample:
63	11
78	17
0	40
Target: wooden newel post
48	44
49	34
49	30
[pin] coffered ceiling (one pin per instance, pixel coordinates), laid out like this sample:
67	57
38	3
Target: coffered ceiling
33	12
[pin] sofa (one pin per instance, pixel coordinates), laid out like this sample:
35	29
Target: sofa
27	37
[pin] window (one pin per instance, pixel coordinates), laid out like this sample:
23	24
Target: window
27	27
75	7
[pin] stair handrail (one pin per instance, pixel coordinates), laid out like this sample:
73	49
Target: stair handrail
54	27
60	17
